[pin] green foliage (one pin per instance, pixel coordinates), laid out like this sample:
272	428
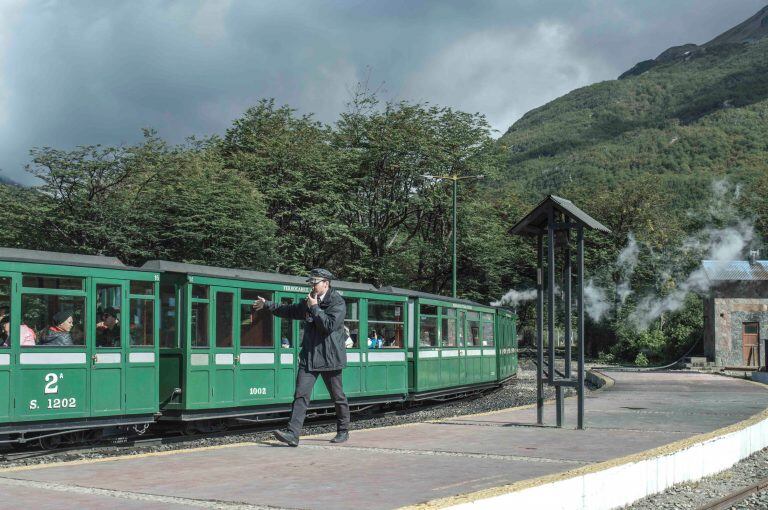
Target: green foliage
641	360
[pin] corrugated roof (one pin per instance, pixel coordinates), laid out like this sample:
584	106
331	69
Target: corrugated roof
536	220
736	270
64	259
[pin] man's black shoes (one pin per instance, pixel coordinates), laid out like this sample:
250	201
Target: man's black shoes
340	437
287	437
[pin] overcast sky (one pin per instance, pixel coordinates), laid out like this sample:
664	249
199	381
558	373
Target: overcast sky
82	72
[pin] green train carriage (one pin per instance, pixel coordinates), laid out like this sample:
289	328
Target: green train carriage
220	359
47	391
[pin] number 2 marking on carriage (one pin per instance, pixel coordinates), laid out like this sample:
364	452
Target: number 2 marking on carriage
52	380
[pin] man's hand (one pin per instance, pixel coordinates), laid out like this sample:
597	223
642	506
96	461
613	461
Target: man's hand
311	300
259	303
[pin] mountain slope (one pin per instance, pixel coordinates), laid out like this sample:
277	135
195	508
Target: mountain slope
686	119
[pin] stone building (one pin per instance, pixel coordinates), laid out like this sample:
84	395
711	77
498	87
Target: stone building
736	312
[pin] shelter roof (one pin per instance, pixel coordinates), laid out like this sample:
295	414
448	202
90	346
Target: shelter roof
63	259
535	222
736	270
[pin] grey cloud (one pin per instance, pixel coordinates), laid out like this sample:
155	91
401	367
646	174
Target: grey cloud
97	72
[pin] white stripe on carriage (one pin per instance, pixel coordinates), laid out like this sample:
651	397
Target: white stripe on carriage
257	358
142	357
386	356
225	359
353	357
473	352
199	360
5	359
108	357
489	352
286	358
427	354
450	354
52	358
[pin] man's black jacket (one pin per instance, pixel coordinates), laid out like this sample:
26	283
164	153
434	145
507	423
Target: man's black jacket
323	345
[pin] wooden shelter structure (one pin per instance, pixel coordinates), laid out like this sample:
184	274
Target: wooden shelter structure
556	218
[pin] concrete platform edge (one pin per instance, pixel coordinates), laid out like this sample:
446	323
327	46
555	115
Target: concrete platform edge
618	482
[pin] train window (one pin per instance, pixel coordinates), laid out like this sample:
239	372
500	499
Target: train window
168	315
352	322
487	333
449	332
225	316
109	300
142	322
473	328
142	288
256	327
200	291
428	310
5	313
286	327
56	321
428	331
51	282
199	324
253	294
449	312
385	324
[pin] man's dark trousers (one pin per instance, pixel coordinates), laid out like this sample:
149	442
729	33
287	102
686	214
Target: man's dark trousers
305	381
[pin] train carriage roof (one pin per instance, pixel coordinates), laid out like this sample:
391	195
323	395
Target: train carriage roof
246	274
62	259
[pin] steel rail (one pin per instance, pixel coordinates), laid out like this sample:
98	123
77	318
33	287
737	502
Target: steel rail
736	496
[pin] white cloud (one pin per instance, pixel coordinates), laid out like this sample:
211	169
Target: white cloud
505	73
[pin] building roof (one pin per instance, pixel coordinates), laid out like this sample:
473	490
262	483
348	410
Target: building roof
63	259
535	222
736	270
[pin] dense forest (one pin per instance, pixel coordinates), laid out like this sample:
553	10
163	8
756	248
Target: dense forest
673	160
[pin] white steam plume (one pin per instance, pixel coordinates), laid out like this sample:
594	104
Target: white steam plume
514	297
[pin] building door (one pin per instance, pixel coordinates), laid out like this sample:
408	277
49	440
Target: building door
749	343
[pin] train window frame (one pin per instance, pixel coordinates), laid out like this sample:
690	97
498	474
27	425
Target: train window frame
152	307
197	303
6	339
397	326
267	316
224	339
431	316
175	344
285	325
486	320
448	315
354	334
101	308
51	293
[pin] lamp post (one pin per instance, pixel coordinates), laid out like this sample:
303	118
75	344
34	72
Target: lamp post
455	178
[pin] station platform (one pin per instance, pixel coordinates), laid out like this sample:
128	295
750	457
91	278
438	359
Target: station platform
478	461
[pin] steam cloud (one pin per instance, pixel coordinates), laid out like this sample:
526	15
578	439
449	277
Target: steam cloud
718	244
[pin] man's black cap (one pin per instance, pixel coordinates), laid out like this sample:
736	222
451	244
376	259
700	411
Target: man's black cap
319	274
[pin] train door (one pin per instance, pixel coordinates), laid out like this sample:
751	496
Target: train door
259	356
9	340
141	334
223	346
108	330
198	385
52	375
287	335
461	333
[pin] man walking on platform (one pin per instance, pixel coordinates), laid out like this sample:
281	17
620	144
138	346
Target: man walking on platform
323	353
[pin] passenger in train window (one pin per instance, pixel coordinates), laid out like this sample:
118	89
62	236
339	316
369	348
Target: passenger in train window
5	311
285	343
425	340
5	331
390	340
60	333
108	329
374	342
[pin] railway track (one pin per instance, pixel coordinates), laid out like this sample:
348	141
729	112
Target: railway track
736	496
